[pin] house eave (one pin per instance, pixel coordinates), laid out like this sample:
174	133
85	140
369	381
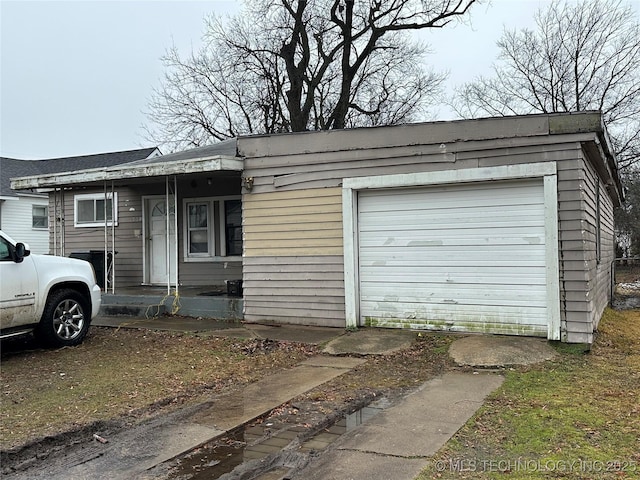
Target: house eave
216	163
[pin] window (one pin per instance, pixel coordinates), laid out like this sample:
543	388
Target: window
89	209
212	228
198	229
40	216
5	250
233	227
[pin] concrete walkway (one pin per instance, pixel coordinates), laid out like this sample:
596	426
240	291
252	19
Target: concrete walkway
396	443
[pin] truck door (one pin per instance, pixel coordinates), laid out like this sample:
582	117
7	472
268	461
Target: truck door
18	288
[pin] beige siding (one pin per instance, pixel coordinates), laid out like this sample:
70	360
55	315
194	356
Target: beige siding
293	223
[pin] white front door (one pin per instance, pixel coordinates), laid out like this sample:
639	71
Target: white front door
161	258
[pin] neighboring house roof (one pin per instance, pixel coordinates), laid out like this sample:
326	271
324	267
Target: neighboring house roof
11	168
16	168
219	157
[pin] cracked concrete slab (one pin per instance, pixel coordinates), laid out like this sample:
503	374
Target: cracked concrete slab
370	341
499	351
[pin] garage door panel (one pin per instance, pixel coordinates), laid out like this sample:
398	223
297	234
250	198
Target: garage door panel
439	275
512	320
446	253
465	294
435	252
452	238
471	221
454	212
393	200
476	314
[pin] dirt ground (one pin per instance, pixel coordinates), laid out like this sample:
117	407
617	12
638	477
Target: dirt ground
55	399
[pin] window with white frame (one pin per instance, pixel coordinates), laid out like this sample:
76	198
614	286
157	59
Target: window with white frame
94	209
212	228
40	216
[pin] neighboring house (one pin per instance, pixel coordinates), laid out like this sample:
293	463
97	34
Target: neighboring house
498	225
24	214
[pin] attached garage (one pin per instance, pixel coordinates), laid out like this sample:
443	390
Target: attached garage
458	256
497	225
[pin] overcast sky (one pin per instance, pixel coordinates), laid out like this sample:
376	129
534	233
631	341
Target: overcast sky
75	76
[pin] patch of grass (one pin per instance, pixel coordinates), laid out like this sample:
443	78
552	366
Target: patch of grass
572	418
117	373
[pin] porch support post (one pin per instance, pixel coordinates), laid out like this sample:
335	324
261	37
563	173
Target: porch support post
168	234
55	221
106	234
175	225
111	271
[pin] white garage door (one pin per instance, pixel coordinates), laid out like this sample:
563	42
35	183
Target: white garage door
467	257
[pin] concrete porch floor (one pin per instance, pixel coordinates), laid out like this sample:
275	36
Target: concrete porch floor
207	301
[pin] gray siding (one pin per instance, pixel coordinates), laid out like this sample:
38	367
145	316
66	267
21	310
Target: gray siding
128	260
307	290
128	238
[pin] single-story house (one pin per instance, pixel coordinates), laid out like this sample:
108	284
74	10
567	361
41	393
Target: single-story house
497	225
24	214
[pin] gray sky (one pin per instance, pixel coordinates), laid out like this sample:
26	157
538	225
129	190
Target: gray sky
75	76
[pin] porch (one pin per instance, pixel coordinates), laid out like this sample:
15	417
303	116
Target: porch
219	302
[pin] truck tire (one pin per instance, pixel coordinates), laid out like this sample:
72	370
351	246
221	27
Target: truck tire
65	320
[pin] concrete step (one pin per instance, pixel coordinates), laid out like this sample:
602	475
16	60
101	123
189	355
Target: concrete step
220	307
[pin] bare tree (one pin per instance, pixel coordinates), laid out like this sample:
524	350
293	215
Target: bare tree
582	56
295	65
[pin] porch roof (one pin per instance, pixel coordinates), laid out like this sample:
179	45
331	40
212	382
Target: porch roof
211	158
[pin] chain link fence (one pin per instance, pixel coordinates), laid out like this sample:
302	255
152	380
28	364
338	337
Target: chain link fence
626	292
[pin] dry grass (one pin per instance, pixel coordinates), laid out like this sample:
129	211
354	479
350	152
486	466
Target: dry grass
117	373
575	417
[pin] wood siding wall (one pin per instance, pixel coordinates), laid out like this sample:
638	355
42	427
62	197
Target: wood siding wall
128	260
292	215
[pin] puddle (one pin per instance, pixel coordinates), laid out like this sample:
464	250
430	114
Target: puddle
347	423
247	443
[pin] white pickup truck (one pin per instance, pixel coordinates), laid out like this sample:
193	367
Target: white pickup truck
54	297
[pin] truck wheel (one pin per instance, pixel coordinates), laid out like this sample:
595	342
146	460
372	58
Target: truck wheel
65	320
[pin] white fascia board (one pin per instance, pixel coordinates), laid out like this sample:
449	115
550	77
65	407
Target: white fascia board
118	172
505	172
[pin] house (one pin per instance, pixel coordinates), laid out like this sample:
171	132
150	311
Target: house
141	212
24	214
497	225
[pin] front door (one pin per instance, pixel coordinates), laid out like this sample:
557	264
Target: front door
161	261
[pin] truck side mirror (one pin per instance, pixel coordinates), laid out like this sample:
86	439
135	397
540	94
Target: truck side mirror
20	252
